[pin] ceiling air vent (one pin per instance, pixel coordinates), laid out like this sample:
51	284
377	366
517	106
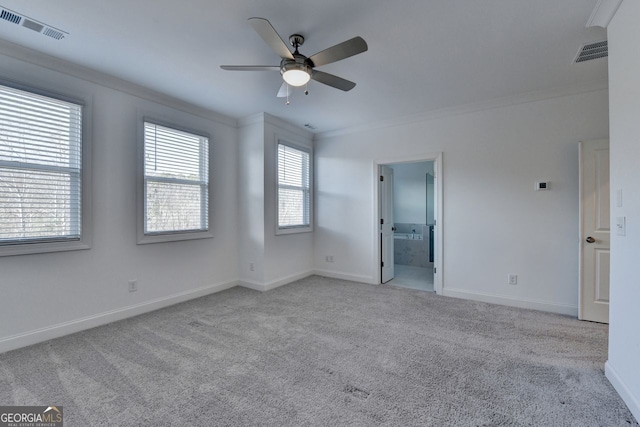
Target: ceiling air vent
32	24
592	51
53	33
10	16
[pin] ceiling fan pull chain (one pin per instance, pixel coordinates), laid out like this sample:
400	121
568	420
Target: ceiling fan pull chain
306	88
287	103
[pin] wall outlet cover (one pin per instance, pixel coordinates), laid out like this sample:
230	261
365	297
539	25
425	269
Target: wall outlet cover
542	185
621	226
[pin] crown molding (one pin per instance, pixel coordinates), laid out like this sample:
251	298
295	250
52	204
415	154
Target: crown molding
52	63
284	125
277	122
426	116
603	13
251	120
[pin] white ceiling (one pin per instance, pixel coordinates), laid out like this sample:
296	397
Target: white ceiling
424	55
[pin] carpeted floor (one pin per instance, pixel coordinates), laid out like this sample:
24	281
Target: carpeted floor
324	352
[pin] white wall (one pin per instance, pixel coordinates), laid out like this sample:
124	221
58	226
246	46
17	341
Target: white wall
494	222
277	259
410	192
624	97
251	201
288	256
75	290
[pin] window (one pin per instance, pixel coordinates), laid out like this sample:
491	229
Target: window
294	189
176	184
41	173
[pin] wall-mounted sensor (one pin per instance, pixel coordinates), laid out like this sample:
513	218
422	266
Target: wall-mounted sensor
542	185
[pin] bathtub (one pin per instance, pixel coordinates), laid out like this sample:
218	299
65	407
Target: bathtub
407	236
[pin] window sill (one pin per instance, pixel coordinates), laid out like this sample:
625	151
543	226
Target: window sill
293	230
173	237
39	248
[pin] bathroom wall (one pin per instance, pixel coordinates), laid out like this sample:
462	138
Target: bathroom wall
409	192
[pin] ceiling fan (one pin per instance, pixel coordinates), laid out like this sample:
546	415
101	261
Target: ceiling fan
297	69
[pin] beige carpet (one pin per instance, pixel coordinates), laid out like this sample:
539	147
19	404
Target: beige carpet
324	352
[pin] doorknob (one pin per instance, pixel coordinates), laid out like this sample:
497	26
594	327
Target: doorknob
393	229
590	239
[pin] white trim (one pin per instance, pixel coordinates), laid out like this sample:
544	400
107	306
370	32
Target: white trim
249	284
277	122
619	385
603	13
61	329
580	234
263	287
426	116
438	263
251	120
347	276
570	310
43	60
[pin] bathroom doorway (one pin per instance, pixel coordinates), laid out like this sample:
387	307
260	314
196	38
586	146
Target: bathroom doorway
409	242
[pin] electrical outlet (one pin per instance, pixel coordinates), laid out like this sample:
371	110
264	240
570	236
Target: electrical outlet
328	258
513	279
251	267
133	285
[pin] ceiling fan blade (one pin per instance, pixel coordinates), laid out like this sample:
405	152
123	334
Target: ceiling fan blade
283	92
250	67
333	81
271	37
340	51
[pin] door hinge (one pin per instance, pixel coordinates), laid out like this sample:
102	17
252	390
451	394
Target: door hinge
381	221
382	264
435	270
381	178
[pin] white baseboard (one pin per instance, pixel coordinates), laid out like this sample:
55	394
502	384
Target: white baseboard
250	284
629	399
55	331
346	276
571	310
263	287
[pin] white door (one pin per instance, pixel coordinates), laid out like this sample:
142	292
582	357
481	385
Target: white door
594	233
386	223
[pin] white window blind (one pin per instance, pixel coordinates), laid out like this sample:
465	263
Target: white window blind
176	180
40	168
294	191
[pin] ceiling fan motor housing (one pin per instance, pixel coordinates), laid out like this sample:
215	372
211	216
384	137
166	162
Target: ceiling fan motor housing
300	62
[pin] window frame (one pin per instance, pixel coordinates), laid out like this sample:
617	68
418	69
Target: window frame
170	236
297	228
58	244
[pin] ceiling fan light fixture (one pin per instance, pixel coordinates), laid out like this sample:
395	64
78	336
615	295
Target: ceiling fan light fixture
296	74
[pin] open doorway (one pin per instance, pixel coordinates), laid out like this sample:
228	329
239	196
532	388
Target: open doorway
408	202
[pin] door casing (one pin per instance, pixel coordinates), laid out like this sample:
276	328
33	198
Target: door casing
436	158
386	223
